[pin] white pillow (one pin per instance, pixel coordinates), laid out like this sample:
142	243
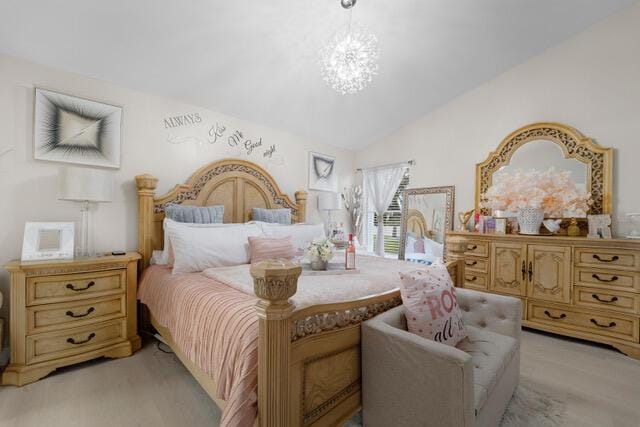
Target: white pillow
199	248
301	234
165	256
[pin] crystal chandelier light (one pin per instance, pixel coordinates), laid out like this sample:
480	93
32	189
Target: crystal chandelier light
350	60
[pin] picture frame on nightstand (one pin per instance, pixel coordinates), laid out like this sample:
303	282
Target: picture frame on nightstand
47	241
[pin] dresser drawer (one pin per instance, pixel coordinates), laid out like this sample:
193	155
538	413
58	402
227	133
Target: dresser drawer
59	344
50	289
608	279
607	258
48	317
475	264
477	281
477	248
623	302
590	321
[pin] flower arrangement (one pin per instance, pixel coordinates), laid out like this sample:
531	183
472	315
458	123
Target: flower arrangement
554	192
320	249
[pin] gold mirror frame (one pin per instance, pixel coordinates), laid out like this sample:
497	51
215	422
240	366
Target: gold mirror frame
574	145
449	192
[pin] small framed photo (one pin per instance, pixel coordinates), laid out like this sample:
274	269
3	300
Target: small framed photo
599	226
48	240
501	225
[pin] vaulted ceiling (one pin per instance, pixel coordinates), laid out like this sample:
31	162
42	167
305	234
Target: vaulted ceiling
258	59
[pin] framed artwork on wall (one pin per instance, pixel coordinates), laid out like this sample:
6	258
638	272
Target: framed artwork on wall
74	130
322	173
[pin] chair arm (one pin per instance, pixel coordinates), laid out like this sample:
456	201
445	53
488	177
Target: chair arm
496	313
416	378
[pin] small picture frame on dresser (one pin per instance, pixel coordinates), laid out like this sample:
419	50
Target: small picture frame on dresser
48	240
599	226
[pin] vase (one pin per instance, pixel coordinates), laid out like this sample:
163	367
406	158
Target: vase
529	220
318	264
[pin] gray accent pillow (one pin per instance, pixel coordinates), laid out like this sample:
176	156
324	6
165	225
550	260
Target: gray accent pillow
274	216
195	214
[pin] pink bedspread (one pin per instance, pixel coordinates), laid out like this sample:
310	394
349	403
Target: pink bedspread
216	327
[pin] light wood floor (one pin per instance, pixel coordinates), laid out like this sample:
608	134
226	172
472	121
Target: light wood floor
600	388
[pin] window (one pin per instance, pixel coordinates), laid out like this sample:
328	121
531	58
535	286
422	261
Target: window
391	223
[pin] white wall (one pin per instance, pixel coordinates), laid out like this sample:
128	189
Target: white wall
591	82
29	187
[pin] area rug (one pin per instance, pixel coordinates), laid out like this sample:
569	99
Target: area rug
529	407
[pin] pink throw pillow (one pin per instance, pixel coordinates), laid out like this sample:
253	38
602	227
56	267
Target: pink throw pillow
418	246
271	248
431	305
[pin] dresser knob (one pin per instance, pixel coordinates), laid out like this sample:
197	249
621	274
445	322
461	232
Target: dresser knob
610	325
73	288
89	338
562	315
598	278
612	259
72	314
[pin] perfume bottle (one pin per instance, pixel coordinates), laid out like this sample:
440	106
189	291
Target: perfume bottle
350	255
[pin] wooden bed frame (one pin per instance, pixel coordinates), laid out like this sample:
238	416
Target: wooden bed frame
309	359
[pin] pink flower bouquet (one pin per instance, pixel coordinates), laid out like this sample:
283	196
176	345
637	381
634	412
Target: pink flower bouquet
554	192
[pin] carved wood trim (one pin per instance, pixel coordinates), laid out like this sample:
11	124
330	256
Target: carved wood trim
574	145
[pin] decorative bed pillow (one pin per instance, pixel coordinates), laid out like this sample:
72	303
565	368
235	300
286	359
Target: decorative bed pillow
418	246
199	248
301	234
195	214
271	247
274	216
165	256
431	305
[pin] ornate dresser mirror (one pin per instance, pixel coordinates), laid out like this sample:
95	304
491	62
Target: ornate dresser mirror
541	146
427	214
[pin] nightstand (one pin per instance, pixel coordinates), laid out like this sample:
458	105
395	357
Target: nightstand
68	311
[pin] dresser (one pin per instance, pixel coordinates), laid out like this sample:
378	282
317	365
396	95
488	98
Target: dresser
69	311
579	287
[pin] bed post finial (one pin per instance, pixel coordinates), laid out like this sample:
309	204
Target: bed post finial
301	201
274	282
146	192
456	247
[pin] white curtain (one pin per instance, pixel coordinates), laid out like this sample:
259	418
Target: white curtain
381	184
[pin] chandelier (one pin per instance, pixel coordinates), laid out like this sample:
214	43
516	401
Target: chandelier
350	60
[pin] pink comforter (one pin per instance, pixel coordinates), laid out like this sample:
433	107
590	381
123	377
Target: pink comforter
216	327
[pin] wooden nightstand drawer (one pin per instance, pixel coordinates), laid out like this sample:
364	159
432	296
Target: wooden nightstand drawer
50	289
607	258
479	265
608	279
623	302
475	281
49	317
477	248
55	345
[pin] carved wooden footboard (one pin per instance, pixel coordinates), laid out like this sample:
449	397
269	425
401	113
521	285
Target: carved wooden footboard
309	360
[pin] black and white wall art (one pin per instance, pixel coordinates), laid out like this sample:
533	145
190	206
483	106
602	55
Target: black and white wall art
322	173
74	130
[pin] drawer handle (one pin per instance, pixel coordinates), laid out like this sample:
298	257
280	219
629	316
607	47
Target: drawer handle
472	278
472	247
613	279
72	314
530	271
562	315
73	288
613	258
597	297
89	338
470	264
610	325
524	270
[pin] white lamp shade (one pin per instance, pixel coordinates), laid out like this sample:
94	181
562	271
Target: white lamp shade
82	184
329	201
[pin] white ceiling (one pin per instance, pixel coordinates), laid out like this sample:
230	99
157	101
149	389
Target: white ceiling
257	59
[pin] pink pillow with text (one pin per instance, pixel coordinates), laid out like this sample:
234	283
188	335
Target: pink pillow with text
431	306
271	248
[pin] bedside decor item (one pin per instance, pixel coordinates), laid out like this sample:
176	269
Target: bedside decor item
48	240
322	174
320	252
501	225
350	254
352	198
635	220
329	202
599	226
86	186
464	218
67	312
69	129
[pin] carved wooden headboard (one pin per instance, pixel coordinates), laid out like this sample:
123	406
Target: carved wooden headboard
417	224
237	184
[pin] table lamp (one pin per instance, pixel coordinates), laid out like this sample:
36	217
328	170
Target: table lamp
329	201
86	186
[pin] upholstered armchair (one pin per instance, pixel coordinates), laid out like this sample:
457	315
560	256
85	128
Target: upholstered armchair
408	380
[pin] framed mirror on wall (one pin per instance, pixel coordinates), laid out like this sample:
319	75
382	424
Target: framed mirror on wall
427	215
